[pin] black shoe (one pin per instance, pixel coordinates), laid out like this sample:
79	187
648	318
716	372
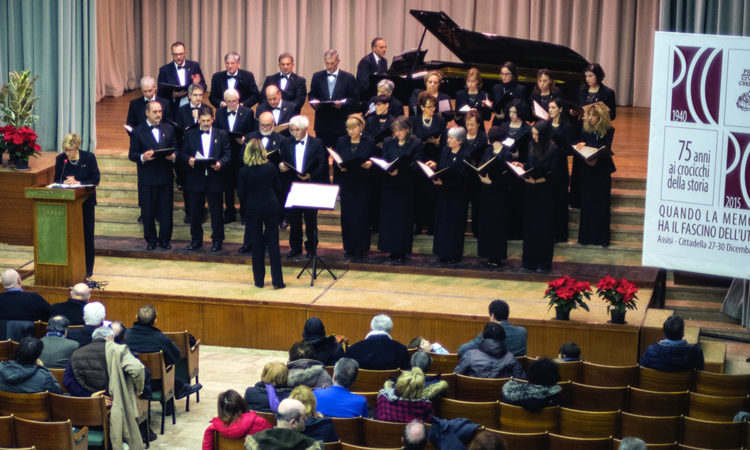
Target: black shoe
140	219
230	216
244	249
165	245
150	246
279	286
284	224
259	285
195	245
188	389
216	247
292	253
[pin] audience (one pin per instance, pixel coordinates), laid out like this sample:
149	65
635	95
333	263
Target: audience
487	440
57	348
93	318
515	337
434	387
673	354
19	309
304	369
423	345
72	308
569	351
266	395
490	359
540	391
378	351
327	349
415	435
287	434
316	426
24	373
234	421
404	401
337	401
631	443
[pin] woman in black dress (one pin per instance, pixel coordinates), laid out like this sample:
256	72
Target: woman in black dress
429	127
561	132
259	190
476	142
505	92
593	90
432	85
353	175
596	177
473	98
76	167
545	89
494	195
538	238
378	127
399	185
452	196
395	107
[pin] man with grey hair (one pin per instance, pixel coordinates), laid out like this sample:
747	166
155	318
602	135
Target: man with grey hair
18	309
57	348
137	108
333	95
378	351
293	87
235	78
72	308
631	443
415	435
93	318
287	434
337	401
371	63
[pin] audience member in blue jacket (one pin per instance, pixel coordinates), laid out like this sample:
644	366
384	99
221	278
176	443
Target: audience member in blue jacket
673	354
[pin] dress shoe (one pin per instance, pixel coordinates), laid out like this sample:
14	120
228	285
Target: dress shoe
165	245
188	389
259	285
150	246
216	247
195	245
292	253
284	224
244	249
279	286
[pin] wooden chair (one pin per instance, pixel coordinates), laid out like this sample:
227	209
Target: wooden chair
443	363
653	380
516	419
348	429
372	380
709	434
154	362
472	389
6	431
331	445
83	412
28	406
189	359
49	435
526	441
58	374
558	442
269	416
6	352
652	403
719	409
371	397
588	424
40	329
377	433
611	376
721	384
596	398
570	370
670	446
222	442
483	413
652	429
345	446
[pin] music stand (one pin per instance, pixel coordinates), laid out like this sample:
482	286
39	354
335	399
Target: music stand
313	196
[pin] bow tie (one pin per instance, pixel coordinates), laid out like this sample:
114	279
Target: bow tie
331	75
148	100
299	142
286	77
205	131
232	76
278	108
181	67
195	107
153	126
231	113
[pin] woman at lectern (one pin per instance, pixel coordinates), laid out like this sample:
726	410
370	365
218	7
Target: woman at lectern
259	189
75	167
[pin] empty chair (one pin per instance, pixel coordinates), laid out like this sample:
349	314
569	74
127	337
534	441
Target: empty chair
711	407
372	380
377	433
83	412
515	418
6	431
653	380
588	424
269	416
472	389
189	357
558	442
154	362
28	406
443	363
526	441
652	429
653	403
602	375
721	384
712	435
596	398
348	429
483	413
49	435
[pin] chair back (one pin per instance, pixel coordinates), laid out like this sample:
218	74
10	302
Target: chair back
29	406
596	398
6	350
348	429
652	429
443	363
49	435
719	409
449	378
372	380
603	375
653	403
483	413
190	353
515	418
655	380
473	389
40	329
269	416
526	441
570	370
82	411
377	433
558	442
222	442
6	431
154	362
721	384
588	424
709	434
59	374
331	445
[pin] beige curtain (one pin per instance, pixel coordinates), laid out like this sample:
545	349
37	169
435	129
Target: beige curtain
134	35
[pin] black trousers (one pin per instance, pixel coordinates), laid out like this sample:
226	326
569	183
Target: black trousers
88	234
197	200
157	201
264	229
231	173
294	216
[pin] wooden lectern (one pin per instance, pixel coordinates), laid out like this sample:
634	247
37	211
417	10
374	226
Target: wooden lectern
59	256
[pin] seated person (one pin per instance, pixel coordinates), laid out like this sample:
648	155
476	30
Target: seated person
57	348
327	349
673	354
404	402
491	359
287	434
631	443
304	369
337	401
234	421
569	351
316	426
423	345
24	373
72	308
434	387
378	351
270	390
93	318
540	391
415	435
515	336
487	440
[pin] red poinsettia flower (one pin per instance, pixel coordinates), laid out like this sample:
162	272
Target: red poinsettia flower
581	286
555	284
606	283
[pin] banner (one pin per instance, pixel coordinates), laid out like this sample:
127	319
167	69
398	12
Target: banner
698	188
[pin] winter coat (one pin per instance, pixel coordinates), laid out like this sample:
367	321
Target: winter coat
532	397
30	379
672	356
310	372
248	423
490	360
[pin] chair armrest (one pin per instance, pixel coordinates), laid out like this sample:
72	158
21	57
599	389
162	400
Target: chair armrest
81	439
196	346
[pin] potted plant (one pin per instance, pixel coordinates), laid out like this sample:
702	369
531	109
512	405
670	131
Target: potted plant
567	294
17	110
620	296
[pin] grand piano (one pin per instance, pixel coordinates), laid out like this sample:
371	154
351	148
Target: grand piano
487	52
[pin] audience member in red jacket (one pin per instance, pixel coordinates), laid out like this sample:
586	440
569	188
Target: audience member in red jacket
234	420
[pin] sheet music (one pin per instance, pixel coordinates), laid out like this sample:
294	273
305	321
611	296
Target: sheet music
335	155
444	105
508	142
540	112
312	196
68	186
426	169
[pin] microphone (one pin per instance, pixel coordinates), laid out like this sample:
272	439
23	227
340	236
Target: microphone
62	172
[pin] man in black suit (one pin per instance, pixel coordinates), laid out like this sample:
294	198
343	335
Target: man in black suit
204	180
155	175
72	309
373	62
292	86
303	160
137	109
282	110
333	94
187	116
180	72
235	78
237	120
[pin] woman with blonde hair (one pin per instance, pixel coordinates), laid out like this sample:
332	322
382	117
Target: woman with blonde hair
234	421
272	388
432	82
316	426
259	189
404	401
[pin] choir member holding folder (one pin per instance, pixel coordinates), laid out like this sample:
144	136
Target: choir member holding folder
544	90
561	133
495	200
398	194
429	127
595	175
378	127
432	82
352	173
506	91
476	141
473	98
593	90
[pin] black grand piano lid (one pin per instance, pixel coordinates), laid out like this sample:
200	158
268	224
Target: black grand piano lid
473	47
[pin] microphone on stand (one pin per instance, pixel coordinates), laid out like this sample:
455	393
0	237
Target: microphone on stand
62	172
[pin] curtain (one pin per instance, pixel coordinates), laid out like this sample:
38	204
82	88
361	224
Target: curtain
56	41
730	17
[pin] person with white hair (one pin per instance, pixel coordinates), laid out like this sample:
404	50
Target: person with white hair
72	308
333	94
378	351
93	318
137	108
287	434
19	309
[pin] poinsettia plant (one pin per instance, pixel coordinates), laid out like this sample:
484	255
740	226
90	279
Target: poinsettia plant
619	294
17	113
20	143
568	293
